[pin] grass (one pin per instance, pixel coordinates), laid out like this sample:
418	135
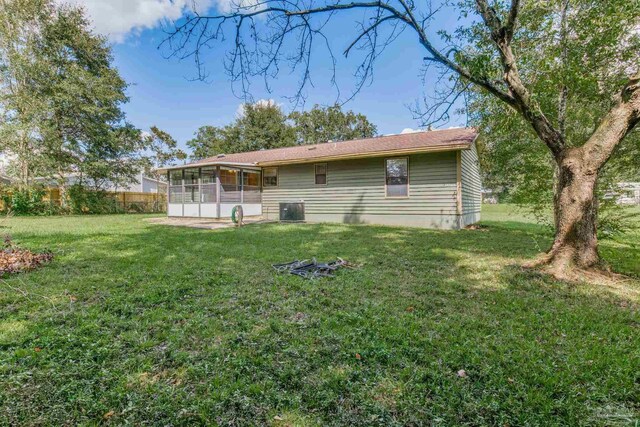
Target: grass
142	324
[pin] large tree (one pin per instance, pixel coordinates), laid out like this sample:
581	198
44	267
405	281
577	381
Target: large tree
264	125
259	126
62	97
486	52
20	110
322	124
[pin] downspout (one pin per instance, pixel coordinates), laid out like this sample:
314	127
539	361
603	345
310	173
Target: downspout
217	191
459	189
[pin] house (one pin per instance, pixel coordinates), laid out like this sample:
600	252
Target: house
423	179
628	193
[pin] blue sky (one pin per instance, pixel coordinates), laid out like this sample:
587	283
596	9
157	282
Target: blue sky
163	93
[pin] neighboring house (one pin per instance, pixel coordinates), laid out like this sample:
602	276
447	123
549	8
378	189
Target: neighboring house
145	184
424	179
629	193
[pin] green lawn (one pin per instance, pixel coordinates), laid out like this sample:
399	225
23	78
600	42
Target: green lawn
135	323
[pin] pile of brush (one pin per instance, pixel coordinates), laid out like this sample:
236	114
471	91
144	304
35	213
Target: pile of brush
16	260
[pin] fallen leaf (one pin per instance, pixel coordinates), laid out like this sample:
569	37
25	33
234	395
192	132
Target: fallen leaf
37	349
358	356
462	373
409	309
278	418
108	415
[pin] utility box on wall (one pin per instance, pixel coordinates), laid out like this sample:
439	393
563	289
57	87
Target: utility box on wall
292	211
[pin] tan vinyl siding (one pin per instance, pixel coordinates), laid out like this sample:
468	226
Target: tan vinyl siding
471	183
356	189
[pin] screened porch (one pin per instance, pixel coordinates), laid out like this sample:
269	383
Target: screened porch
213	191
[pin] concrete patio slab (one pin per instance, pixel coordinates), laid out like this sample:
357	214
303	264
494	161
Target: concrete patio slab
204	223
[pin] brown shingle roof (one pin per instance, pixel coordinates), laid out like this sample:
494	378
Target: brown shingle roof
437	140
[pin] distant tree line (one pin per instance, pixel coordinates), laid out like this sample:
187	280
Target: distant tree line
61	115
263	125
61	103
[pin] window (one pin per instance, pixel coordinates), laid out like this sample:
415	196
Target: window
191	176
321	174
270	177
208	175
397	175
251	187
191	194
175	194
251	179
208	187
175	177
175	186
191	186
230	185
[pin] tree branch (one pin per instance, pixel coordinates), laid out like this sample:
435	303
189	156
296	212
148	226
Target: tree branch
618	122
523	101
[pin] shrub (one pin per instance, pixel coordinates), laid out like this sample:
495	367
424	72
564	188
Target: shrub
84	201
25	201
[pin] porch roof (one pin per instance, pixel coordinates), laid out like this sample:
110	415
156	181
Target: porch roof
389	145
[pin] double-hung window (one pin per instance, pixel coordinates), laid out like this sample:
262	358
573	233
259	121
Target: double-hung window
397	177
270	177
321	174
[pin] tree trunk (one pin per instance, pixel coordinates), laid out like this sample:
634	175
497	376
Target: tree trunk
575	245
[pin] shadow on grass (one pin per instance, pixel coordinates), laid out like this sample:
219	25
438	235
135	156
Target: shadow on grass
184	326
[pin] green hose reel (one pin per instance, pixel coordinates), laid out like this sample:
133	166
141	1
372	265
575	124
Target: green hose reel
237	215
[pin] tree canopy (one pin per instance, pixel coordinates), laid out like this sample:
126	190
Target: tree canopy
330	124
61	97
263	125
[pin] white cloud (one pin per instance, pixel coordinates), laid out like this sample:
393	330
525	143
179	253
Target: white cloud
410	130
117	19
260	103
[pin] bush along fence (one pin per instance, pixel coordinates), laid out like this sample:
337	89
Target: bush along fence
80	200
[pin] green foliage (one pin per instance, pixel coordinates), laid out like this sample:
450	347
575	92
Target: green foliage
591	62
260	126
330	124
25	201
85	201
134	324
264	125
163	150
61	98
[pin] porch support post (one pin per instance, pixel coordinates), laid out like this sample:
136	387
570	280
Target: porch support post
459	188
218	191
199	192
183	192
241	186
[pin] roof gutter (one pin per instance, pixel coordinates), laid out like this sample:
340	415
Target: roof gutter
456	147
258	165
203	164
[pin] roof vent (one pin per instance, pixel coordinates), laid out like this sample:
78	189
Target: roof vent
220	155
